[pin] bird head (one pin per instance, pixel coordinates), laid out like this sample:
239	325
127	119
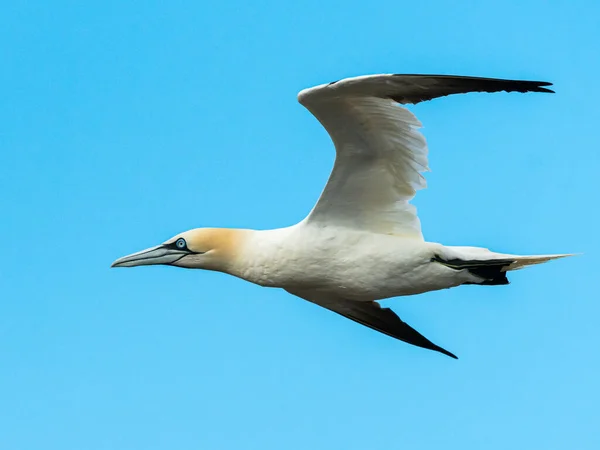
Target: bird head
201	248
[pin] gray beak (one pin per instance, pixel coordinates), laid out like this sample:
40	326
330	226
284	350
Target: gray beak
150	257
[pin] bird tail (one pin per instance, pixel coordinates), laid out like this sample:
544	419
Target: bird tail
489	266
524	261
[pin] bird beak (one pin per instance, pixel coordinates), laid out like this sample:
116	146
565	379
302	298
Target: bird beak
151	256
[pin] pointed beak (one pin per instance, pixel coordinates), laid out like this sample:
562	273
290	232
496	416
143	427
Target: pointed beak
150	257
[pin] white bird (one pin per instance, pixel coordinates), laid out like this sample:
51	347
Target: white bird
362	241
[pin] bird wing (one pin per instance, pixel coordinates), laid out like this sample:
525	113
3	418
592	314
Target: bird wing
380	154
372	315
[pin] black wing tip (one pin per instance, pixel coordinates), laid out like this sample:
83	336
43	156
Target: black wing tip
538	83
517	85
386	321
538	86
547	91
447	353
439	349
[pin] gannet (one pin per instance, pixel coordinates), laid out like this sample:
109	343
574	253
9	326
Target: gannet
362	241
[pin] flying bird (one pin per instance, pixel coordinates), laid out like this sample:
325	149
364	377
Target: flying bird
362	241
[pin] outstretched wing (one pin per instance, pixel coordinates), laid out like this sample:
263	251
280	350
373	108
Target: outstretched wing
380	155
372	315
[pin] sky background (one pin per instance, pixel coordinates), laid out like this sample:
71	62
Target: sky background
125	123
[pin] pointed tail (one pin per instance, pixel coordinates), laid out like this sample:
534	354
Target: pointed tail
523	261
490	267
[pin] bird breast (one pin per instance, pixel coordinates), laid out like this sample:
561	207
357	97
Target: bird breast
339	261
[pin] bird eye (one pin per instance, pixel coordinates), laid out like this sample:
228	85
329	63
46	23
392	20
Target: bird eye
180	243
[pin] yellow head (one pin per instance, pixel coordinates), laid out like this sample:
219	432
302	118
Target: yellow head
201	248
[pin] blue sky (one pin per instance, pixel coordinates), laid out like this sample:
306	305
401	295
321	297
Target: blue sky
124	123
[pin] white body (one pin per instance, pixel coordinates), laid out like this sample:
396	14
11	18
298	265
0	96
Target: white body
344	263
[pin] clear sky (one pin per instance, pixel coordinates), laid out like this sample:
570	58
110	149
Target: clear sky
125	123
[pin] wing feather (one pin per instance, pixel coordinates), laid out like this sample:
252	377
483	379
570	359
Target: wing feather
372	315
380	154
